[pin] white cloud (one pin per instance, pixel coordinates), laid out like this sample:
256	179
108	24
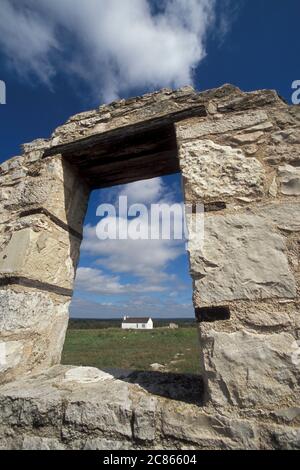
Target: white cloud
147	260
92	280
113	45
144	192
84	308
27	40
144	258
154	190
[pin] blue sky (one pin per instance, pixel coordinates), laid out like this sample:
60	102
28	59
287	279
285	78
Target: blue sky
61	57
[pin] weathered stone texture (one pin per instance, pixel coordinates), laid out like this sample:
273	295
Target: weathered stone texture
153	105
243	257
289	179
250	369
10	354
199	128
213	171
46	412
31	248
33	326
51	184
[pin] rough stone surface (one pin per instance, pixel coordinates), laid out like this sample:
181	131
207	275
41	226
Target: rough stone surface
248	138
251	369
289	178
22	310
32	247
44	412
242	258
41	443
10	354
40	320
85	375
51	184
213	171
195	129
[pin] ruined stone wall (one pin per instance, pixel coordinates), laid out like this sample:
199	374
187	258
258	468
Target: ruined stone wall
243	162
239	155
43	203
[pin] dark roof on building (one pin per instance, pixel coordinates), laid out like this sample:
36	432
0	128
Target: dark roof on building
136	320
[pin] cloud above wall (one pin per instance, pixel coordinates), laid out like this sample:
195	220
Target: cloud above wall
133	276
144	259
95	281
114	46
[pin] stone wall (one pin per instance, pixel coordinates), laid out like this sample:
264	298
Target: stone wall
87	409
239	154
243	164
43	203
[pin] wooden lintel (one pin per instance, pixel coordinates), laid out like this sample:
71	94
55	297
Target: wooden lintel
120	133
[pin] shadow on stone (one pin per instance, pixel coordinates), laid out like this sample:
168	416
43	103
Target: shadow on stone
187	388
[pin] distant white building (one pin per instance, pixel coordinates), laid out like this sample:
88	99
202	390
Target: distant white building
137	323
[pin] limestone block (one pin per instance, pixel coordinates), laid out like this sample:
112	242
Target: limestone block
38	249
10	354
263	315
213	171
248	369
144	424
86	375
286	117
248	138
243	101
289	177
265	126
284	146
40	320
188	426
196	128
290	135
34	150
284	215
289	415
56	187
27	410
112	414
209	431
282	437
242	258
30	311
10	443
12	165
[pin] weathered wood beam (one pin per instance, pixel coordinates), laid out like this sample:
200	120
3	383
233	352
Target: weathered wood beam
135	169
106	138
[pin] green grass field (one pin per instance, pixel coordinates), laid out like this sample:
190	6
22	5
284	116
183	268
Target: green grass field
176	349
